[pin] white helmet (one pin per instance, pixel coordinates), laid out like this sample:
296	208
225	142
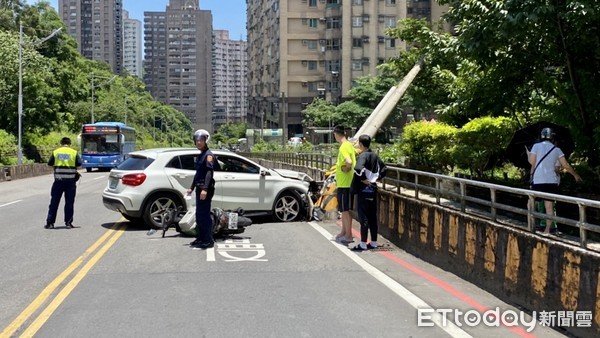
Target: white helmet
201	133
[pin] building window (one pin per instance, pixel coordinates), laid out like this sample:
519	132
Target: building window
334	44
357	42
312	3
311	44
333	22
312	23
357	64
312	65
333	66
390	21
357	21
390	2
390	43
357	2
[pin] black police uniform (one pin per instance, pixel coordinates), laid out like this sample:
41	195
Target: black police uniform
65	162
203	180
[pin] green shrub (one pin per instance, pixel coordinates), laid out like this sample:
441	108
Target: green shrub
429	145
8	148
263	147
389	153
480	142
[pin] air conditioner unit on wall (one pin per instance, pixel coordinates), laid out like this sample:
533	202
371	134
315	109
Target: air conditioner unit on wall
321	91
304	83
335	74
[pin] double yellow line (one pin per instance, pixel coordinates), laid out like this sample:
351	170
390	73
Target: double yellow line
111	236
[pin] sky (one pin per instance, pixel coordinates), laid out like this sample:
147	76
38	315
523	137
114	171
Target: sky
227	14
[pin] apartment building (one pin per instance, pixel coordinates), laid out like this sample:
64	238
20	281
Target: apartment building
230	97
98	28
132	45
178	47
302	49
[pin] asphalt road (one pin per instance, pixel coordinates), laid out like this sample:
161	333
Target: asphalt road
107	278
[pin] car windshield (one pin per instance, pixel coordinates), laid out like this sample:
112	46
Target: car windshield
135	163
100	144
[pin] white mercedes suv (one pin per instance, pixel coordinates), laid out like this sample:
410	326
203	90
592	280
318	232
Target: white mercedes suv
149	182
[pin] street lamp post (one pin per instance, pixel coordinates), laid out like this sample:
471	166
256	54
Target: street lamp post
20	97
110	79
154	126
283	122
128	104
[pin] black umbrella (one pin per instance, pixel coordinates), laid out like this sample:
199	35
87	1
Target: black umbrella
530	135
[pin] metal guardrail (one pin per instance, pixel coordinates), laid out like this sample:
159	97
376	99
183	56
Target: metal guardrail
318	161
498	203
503	204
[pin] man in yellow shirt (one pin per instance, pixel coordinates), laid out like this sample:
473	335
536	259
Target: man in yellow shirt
344	173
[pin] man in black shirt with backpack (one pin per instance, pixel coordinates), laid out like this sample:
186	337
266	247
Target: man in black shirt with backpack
368	170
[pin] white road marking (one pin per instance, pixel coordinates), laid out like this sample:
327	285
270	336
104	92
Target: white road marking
98	178
9	203
394	286
210	254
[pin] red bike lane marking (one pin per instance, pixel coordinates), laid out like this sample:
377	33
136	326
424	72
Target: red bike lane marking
447	288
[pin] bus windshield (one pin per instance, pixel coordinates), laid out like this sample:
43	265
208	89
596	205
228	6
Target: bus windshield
100	143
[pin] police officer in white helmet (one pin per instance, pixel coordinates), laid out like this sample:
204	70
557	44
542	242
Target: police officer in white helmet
204	184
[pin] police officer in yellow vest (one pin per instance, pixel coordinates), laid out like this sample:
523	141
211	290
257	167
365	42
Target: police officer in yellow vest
65	162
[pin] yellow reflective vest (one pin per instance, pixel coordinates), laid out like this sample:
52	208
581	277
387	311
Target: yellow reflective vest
65	163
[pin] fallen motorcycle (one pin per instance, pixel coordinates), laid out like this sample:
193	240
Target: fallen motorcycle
225	223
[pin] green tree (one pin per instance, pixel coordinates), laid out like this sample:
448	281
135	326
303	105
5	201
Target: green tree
528	60
370	90
320	113
8	148
230	133
351	114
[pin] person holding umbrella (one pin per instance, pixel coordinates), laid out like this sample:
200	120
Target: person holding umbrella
544	177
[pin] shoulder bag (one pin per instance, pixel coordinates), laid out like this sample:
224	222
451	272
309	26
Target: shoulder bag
537	165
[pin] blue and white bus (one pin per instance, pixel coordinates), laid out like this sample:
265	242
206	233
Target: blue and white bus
106	144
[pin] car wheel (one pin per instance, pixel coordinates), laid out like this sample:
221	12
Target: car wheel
157	206
89	170
287	208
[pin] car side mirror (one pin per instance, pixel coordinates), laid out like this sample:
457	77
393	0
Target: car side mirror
263	172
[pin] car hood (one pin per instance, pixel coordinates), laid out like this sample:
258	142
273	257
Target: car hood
293	174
